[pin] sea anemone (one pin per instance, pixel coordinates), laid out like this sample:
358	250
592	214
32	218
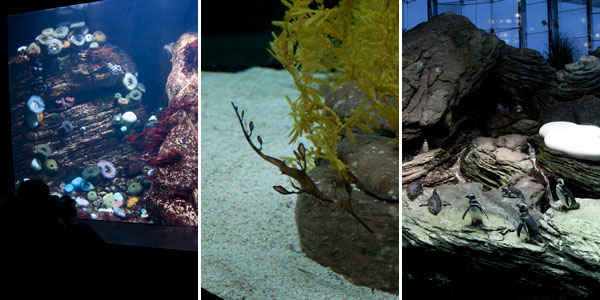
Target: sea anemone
94	45
36	165
43	39
22	50
54	46
141	87
117	120
130	81
129	117
43	149
131	201
34	49
66	126
36	104
31	120
135	188
87	186
91	173
61	32
108	169
69	188
91	195
108	200
89	38
123	102
48	31
79	26
99	36
66	44
135	95
51	166
77	40
77	182
117	95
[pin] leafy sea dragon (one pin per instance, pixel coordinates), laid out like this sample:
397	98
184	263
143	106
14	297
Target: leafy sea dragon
307	185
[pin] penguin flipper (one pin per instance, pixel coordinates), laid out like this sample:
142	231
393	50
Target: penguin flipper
444	203
519	229
463	217
483	211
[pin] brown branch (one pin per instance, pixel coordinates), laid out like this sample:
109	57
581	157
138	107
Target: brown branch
307	185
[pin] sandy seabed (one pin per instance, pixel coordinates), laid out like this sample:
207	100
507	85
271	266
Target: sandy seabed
249	243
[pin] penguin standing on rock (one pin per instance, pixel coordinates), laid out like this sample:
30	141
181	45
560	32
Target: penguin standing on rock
565	195
527	222
435	203
475	211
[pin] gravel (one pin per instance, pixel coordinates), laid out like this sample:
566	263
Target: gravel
249	243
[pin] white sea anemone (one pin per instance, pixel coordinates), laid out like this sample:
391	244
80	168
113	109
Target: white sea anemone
48	31
578	141
129	117
77	40
22	50
61	32
54	46
78	25
43	39
89	38
94	45
130	81
141	87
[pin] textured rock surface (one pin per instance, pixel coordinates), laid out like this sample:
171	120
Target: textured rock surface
348	97
426	167
444	63
373	161
583	177
584	110
93	85
579	78
495	161
495	246
175	185
331	237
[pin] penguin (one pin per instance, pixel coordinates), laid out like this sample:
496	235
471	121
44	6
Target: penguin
475	211
527	222
435	203
413	190
512	193
425	147
565	195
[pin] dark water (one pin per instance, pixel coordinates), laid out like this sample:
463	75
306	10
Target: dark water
141	28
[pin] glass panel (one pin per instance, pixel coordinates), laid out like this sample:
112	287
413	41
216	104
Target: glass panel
483	16
573	22
510	36
538	41
505	15
413	13
580	45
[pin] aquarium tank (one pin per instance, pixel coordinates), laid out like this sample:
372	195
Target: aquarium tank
103	107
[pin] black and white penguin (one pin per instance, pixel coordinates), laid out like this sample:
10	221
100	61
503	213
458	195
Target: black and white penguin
435	203
527	222
475	211
413	190
565	195
512	193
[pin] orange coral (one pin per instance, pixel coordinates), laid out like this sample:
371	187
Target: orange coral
40	117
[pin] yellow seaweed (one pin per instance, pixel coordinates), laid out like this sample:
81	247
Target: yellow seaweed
355	41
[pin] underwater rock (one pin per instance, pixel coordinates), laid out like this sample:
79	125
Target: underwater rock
333	238
444	63
495	161
182	84
581	183
373	162
174	190
348	97
568	265
596	52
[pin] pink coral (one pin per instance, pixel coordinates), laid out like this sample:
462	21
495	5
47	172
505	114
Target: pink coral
65	102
